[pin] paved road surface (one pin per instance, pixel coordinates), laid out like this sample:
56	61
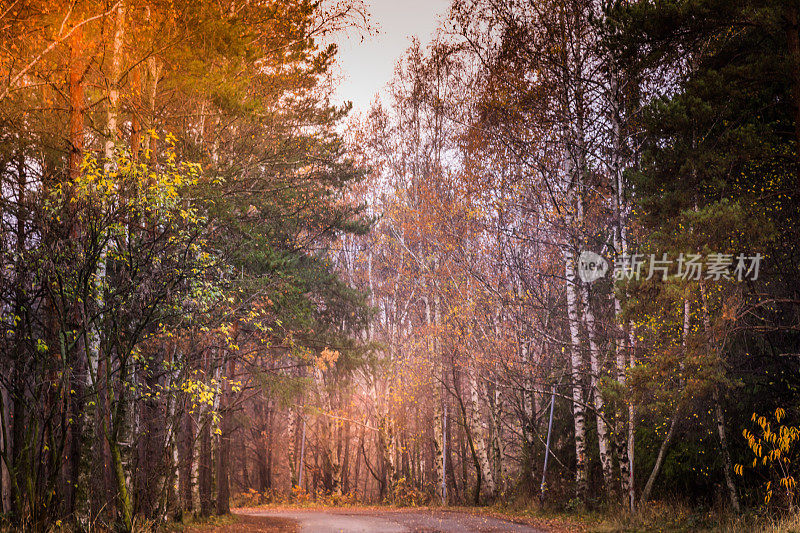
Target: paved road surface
344	521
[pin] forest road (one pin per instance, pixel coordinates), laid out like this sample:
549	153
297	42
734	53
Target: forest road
388	521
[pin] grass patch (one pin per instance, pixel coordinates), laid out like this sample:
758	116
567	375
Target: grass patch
192	521
679	518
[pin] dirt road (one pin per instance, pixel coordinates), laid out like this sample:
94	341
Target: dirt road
380	521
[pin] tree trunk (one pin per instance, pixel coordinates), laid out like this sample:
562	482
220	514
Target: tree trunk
726	456
122	487
205	464
186	441
335	460
576	362
291	437
266	481
150	440
478	430
136	121
676	415
5	445
496	430
103	498
595	376
450	464
357	468
224	446
662	451
436	384
77	380
625	439
112	108
385	439
77	104
346	457
727	464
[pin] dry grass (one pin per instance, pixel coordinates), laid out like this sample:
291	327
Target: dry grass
677	517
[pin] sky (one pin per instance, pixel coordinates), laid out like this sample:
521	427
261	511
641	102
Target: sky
366	67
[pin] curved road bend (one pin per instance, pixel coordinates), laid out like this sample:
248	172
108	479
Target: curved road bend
344	521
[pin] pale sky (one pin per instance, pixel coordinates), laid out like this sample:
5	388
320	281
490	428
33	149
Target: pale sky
367	66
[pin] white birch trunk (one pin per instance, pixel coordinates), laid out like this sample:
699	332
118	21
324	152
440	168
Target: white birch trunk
596	367
386	436
576	363
497	439
625	446
438	434
478	429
